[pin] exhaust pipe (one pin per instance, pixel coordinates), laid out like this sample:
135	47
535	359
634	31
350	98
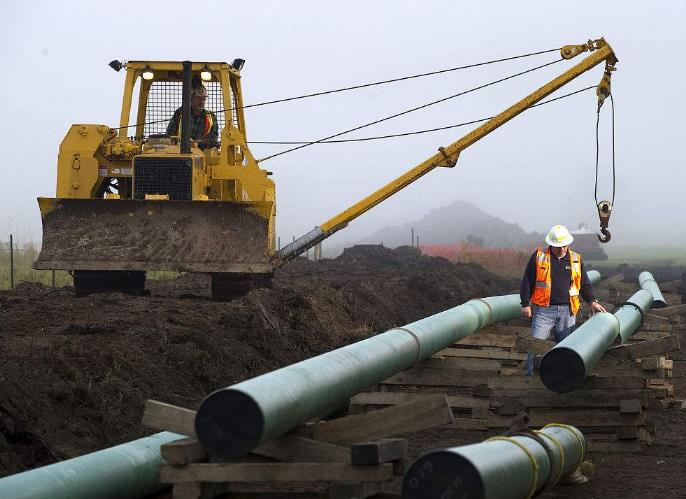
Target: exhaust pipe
186	108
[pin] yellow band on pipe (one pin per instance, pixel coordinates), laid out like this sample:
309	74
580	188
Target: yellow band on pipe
562	453
531	457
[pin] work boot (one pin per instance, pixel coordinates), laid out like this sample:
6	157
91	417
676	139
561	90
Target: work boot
576	477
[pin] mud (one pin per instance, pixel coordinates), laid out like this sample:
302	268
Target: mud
75	372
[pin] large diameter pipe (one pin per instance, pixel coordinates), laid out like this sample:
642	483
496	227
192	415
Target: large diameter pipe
646	281
501	468
127	471
234	420
593	276
565	366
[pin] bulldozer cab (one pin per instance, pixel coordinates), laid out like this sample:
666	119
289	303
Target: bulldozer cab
154	91
128	203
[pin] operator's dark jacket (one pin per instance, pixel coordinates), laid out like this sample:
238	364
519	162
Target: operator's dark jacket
561	278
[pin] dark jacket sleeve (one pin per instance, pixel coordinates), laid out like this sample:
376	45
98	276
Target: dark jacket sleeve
173	125
528	281
586	290
213	134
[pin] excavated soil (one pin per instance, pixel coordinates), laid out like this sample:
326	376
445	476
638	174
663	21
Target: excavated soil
75	372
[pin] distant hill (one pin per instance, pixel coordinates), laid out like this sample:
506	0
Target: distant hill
456	222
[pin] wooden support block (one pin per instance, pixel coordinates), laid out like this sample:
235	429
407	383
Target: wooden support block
184	451
527	344
421	414
655	374
647	348
626	432
650	363
659	403
480	413
482	353
426	376
591	382
381	451
354	490
396	398
600	398
161	416
293	448
670	311
274	472
488	340
578	417
465	364
510	407
630	406
466	424
656	319
192	490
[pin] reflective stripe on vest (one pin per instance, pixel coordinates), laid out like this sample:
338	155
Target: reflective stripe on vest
542	287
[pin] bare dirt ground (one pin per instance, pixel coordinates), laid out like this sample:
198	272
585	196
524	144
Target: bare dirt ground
75	372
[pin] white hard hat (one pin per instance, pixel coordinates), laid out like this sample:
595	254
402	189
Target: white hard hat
559	236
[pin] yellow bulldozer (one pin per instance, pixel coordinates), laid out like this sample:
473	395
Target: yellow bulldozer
159	200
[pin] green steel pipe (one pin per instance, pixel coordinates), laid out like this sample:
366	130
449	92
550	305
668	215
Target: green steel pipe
631	314
565	366
501	468
646	281
593	276
129	470
234	420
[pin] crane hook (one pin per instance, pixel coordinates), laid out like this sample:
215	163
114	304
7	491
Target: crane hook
604	212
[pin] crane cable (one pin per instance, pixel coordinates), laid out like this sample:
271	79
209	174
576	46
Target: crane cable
416	132
411	110
604	207
356	87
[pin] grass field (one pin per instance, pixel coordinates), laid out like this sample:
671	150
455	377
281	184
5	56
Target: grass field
24	258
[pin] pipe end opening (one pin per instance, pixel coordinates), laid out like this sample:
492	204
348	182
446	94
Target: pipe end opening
229	423
442	474
562	370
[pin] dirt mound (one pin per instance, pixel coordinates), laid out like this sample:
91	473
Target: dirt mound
75	372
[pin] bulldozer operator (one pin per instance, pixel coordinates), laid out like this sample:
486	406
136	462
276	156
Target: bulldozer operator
204	128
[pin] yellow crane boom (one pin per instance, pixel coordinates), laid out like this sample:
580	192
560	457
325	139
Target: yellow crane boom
447	156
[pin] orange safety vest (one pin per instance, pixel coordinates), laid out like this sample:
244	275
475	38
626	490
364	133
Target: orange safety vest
208	124
541	294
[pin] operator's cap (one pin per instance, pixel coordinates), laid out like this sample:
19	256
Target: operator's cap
559	236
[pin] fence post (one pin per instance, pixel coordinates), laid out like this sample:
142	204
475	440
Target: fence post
11	262
412	237
53	279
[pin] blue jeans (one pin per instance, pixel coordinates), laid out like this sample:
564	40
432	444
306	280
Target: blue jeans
546	319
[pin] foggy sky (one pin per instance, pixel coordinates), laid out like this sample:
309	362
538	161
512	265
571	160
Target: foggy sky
538	170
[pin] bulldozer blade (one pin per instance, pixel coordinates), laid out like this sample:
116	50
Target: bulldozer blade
141	235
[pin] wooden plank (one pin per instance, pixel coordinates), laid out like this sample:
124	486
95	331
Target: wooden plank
488	340
466	424
354	490
630	406
646	348
465	364
294	448
616	446
161	416
578	417
535	346
274	472
669	311
648	335
395	420
396	398
439	377
184	451
482	353
656	319
381	451
591	382
583	398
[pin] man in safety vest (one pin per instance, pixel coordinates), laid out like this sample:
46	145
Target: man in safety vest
204	128
553	281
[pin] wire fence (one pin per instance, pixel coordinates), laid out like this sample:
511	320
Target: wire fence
16	260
